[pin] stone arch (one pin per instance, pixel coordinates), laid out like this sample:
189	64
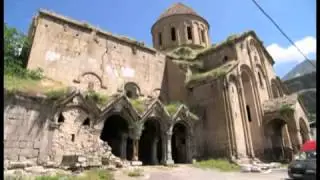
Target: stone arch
90	81
250	105
116	132
238	126
274	131
181	142
151	142
304	130
132	90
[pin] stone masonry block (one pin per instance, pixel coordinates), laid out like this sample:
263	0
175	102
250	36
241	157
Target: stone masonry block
26	152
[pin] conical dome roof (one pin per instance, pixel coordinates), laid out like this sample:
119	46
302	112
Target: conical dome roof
177	8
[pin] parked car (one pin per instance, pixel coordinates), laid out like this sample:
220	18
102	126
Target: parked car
304	165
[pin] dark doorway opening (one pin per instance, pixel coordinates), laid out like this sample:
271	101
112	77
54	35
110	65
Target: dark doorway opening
179	143
150	144
115	132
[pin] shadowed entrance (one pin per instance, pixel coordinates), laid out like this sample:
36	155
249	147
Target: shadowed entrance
115	132
275	132
179	143
150	144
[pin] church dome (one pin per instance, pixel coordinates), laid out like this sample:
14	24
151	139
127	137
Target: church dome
180	25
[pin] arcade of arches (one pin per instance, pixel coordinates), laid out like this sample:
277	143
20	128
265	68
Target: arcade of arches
152	145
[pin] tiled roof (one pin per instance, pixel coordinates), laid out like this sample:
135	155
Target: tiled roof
178	8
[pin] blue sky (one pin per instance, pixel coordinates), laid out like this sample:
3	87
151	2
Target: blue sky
134	18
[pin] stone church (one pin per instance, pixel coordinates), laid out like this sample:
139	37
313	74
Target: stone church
183	99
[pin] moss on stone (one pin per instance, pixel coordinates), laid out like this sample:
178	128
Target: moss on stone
56	94
210	75
138	104
172	107
98	98
285	109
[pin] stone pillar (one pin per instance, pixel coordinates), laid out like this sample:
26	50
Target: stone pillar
168	159
135	150
154	151
123	146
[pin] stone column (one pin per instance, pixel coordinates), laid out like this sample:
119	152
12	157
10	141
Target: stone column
135	150
123	146
168	158
154	151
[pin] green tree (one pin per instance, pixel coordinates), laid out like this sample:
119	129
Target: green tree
16	48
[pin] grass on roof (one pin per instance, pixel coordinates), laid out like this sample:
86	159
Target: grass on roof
172	107
212	74
53	90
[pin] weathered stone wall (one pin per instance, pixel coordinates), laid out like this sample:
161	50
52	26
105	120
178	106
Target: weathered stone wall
35	135
69	52
215	135
173	88
26	135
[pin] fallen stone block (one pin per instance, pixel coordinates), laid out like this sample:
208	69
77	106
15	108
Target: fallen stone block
245	168
136	163
19	164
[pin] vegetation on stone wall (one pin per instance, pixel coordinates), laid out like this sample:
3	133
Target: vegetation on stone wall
138	104
97	97
212	74
285	109
172	107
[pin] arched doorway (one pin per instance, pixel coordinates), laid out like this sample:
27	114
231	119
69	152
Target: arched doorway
303	130
115	132
150	144
276	129
251	110
179	143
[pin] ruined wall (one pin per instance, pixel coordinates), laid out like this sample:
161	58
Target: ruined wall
69	51
33	135
216	142
26	134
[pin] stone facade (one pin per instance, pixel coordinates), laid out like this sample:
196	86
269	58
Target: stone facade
165	106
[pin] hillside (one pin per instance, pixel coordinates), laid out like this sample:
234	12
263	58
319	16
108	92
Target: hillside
303	79
301	69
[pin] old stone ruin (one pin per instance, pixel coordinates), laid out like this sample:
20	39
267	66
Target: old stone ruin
74	133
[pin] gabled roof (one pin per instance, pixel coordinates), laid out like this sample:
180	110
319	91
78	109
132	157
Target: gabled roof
234	39
156	108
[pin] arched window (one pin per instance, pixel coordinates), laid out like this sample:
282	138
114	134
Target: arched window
203	36
260	80
132	90
160	38
173	34
189	32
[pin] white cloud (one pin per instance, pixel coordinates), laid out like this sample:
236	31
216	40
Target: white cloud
290	54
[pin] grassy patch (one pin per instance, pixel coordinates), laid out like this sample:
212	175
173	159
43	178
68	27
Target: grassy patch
138	104
98	98
137	172
286	108
51	89
212	74
172	107
95	174
220	164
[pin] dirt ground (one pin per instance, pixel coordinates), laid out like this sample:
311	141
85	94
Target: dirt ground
187	172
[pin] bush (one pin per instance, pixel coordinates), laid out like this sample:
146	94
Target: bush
137	172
